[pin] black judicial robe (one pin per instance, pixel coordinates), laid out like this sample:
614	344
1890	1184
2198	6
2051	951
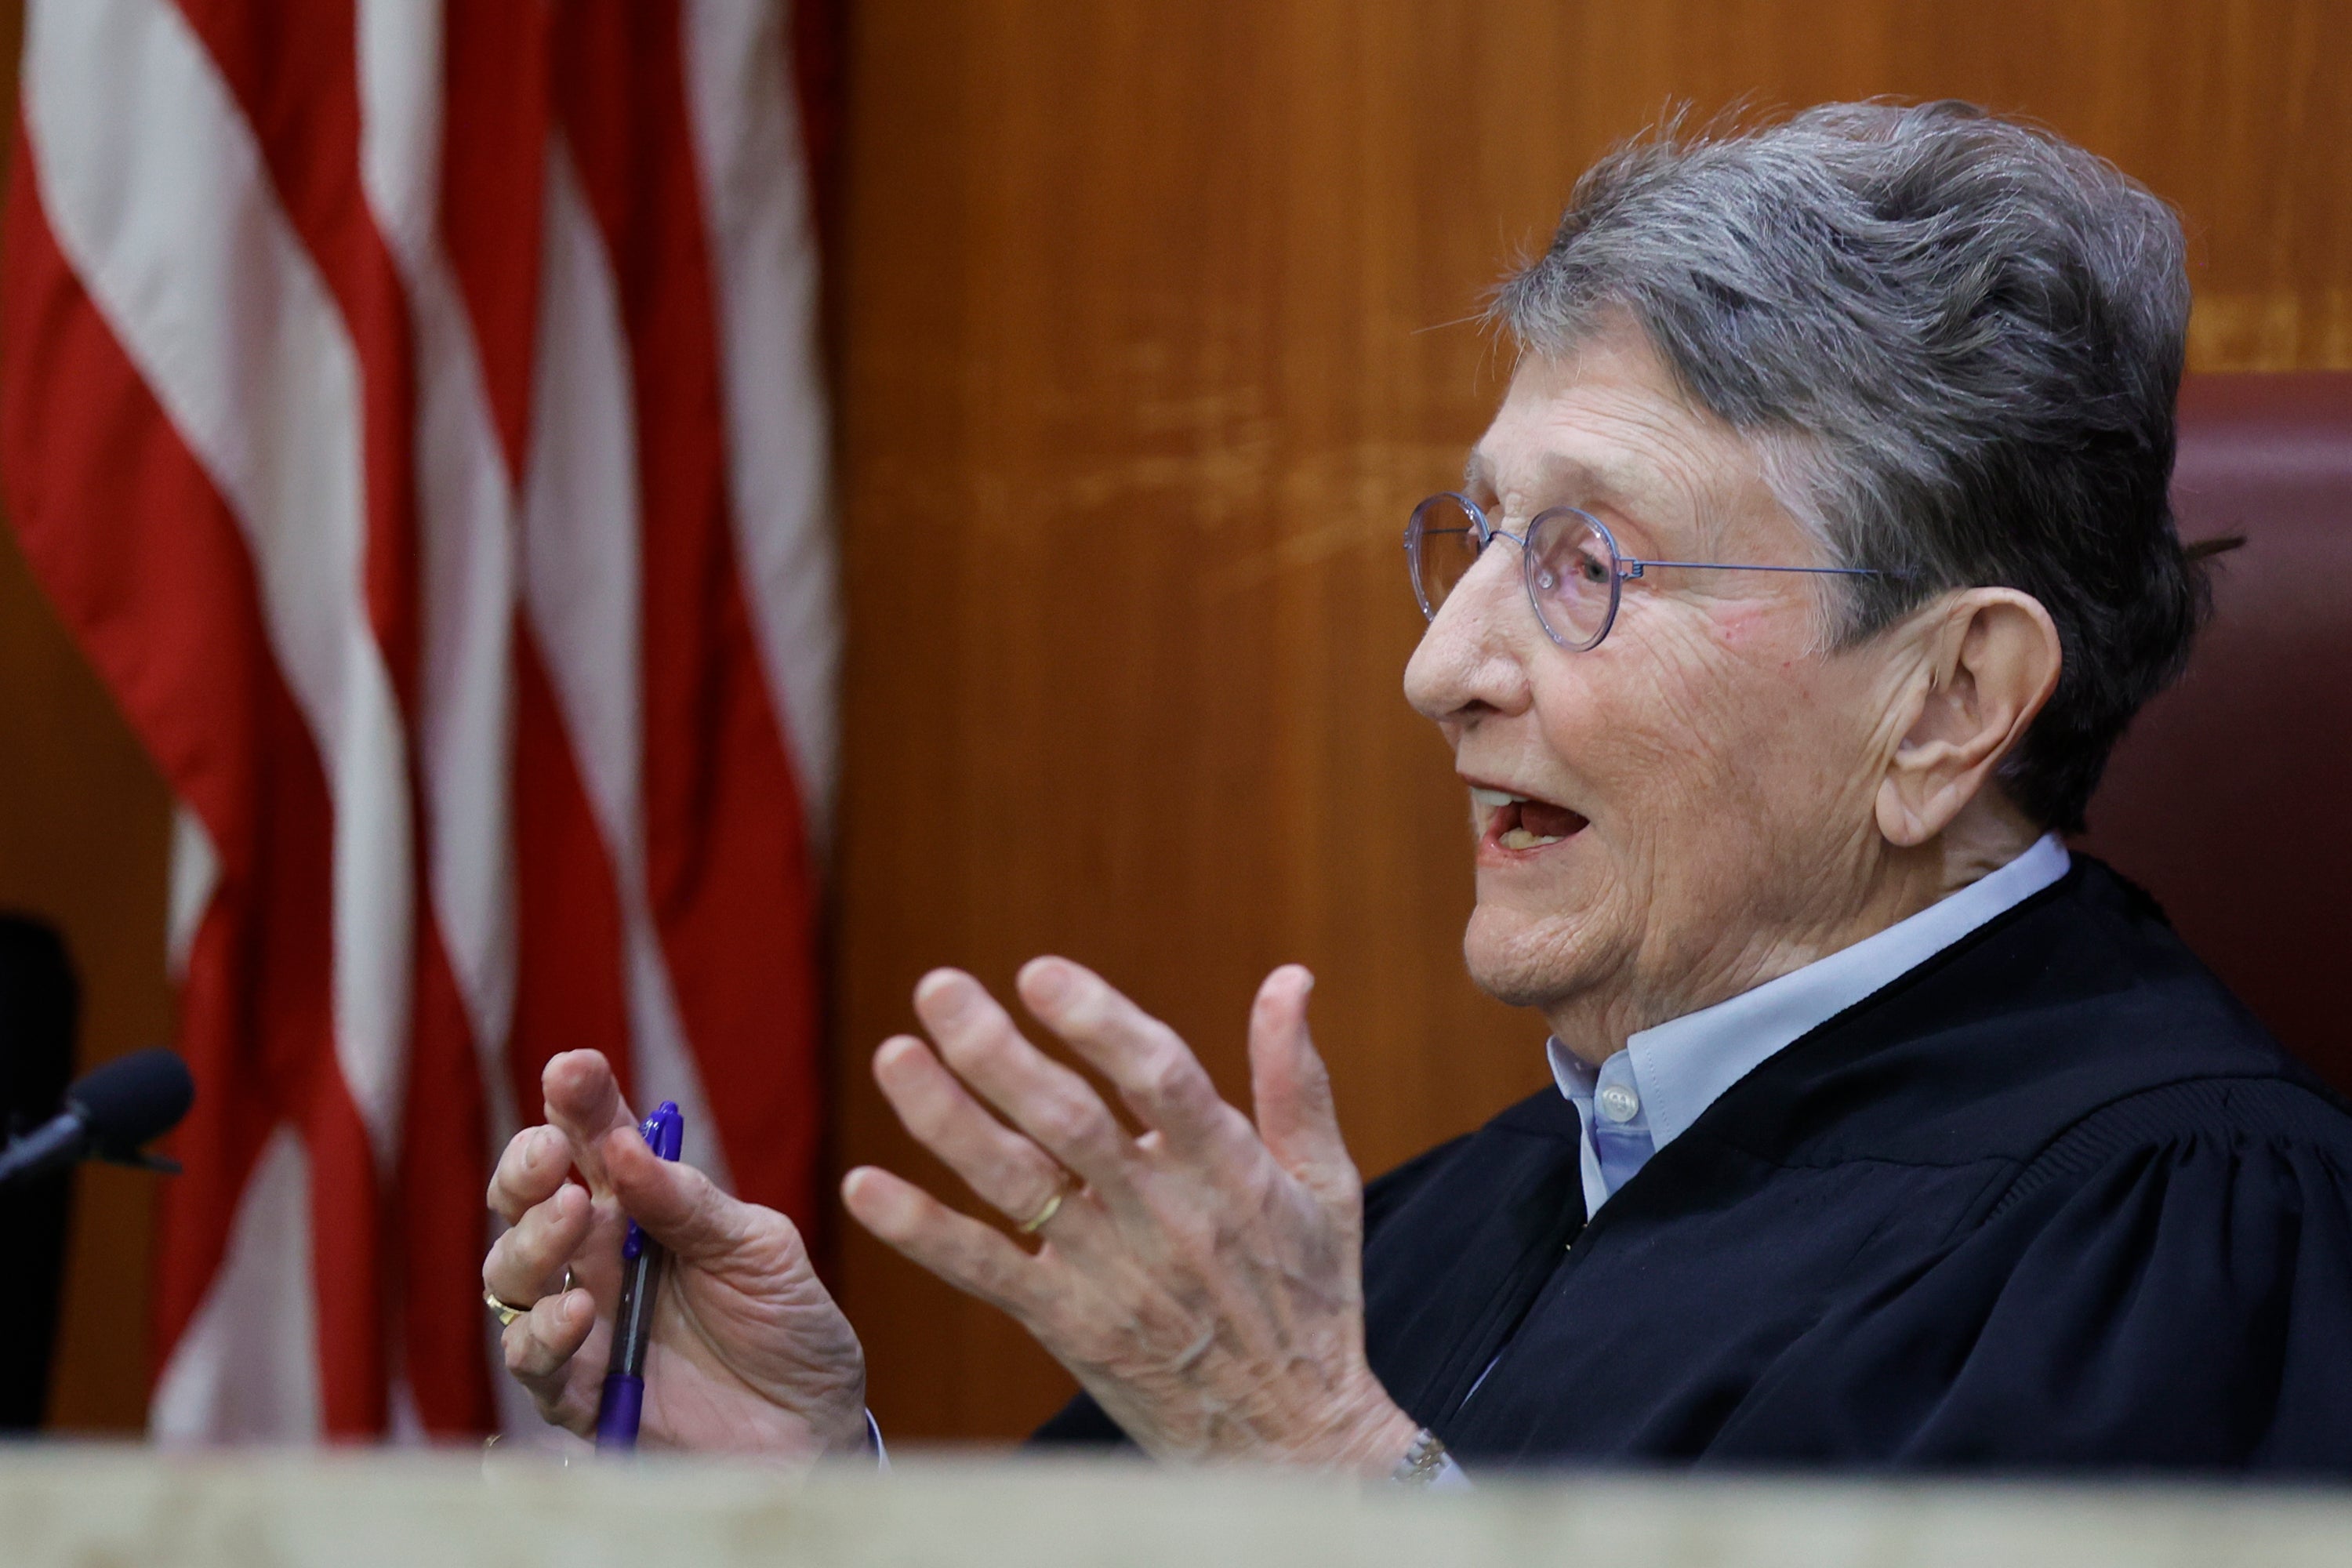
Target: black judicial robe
2053	1200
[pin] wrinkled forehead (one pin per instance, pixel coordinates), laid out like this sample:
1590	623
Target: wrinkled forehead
1606	429
1557	475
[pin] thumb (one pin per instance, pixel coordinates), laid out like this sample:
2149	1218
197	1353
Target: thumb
1293	1091
585	1103
684	1209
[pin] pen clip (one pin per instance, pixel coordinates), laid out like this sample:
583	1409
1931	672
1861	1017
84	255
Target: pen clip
665	1133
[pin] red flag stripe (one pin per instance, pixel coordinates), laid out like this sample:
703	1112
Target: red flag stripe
155	188
149	567
581	581
464	714
568	983
571	973
295	75
438	1208
728	864
157	193
293	71
494	109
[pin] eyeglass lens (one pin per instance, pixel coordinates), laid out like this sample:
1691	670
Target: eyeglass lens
1570	568
1444	546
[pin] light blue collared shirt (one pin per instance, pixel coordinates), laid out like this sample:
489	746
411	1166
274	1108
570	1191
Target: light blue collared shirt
1642	1098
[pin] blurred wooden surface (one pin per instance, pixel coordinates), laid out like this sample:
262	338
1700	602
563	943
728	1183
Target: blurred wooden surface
95	1507
1144	311
1151	320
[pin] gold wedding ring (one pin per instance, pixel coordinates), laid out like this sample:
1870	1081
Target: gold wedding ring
1036	1222
506	1312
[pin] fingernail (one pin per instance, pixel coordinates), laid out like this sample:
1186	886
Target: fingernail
853	1187
1046	980
939	992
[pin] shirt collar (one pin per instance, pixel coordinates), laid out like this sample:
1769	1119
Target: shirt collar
1680	1068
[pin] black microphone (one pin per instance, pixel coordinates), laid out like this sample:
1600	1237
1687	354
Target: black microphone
107	1113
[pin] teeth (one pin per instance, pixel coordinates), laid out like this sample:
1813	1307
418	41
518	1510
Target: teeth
1491	799
1520	838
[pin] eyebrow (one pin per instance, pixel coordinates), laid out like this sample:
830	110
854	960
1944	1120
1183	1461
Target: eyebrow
1618	484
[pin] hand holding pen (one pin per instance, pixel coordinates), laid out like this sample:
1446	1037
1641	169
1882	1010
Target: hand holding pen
745	1350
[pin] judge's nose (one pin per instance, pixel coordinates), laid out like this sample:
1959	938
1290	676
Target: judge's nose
1472	661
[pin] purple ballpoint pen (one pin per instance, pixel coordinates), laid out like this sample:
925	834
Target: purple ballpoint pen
633	1326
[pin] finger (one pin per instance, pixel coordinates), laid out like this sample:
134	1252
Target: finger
1058	1110
585	1103
538	1348
1292	1088
530	1169
525	1263
974	1257
685	1210
1155	1072
1004	1168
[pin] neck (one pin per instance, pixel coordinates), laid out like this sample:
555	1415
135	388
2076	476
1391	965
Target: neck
1891	884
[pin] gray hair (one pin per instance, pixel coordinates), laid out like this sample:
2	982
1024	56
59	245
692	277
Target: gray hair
1956	343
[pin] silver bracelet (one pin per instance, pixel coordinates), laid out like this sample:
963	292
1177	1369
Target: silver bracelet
1421	1462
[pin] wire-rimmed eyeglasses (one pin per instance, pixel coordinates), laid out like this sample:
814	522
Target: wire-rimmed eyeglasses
1573	568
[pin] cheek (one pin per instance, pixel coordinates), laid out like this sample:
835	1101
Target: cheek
1649	730
1715	731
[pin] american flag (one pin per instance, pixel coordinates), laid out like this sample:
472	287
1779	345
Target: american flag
415	410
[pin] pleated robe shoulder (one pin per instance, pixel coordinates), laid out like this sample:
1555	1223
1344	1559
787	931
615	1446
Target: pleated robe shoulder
2054	1201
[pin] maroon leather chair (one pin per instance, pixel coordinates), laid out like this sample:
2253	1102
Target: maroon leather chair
2230	799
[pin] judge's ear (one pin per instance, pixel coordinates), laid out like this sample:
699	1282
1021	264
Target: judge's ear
1990	660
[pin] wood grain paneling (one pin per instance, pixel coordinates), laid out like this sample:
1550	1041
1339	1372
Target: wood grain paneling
1153	317
85	830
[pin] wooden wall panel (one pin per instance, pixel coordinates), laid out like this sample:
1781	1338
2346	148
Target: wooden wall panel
84	831
1153	321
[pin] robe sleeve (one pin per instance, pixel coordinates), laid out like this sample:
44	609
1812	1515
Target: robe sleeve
2171	1286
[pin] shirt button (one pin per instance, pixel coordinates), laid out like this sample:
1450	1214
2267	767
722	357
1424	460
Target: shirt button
1619	1102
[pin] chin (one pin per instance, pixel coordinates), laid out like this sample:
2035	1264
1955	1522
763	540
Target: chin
1523	961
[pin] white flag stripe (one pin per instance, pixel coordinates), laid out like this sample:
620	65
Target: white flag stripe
157	196
226	1382
466	530
764	262
579	540
195	874
582	554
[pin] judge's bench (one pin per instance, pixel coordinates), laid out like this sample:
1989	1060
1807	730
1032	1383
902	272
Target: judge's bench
67	1507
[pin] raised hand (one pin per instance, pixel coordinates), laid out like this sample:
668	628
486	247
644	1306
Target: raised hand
748	1351
1202	1280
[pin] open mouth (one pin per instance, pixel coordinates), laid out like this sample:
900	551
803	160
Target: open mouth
1519	823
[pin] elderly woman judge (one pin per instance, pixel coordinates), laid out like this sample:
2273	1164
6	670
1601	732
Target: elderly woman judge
1818	555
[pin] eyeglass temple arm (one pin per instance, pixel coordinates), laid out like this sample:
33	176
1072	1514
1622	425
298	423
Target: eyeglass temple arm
1635	568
